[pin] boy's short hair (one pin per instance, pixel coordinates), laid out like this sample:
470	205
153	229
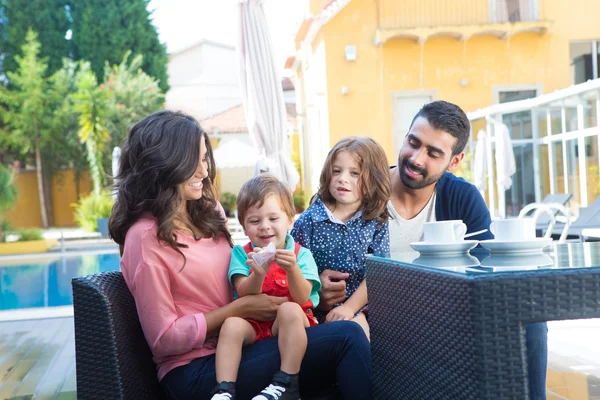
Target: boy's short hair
255	191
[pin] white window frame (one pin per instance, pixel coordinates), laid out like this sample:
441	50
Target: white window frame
594	43
402	94
496	90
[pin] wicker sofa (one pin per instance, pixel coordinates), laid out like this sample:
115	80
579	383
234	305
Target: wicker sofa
112	357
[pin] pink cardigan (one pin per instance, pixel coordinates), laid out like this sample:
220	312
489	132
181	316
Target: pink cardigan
171	301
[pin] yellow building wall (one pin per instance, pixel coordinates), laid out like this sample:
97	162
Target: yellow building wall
440	64
64	194
27	214
297	157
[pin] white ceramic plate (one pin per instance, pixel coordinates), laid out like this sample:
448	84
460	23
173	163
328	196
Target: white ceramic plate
524	246
444	249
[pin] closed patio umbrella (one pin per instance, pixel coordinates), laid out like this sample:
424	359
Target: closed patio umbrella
116	156
505	164
480	163
262	94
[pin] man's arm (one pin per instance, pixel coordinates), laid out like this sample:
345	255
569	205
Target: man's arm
475	214
333	289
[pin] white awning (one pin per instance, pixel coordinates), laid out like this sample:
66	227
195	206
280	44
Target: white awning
235	154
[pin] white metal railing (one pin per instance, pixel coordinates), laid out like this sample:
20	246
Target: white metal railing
394	14
501	11
569	136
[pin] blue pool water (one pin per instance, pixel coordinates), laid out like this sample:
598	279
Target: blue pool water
47	282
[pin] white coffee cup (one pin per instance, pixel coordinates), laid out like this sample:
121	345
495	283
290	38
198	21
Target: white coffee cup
513	230
444	231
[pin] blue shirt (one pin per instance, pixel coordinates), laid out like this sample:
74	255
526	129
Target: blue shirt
341	246
458	199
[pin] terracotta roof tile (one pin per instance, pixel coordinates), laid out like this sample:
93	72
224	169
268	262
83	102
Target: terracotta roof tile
233	120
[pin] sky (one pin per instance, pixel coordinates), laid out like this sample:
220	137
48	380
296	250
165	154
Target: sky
181	23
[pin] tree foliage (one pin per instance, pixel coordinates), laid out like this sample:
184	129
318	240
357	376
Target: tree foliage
105	31
8	195
67	119
90	102
49	18
27	113
133	95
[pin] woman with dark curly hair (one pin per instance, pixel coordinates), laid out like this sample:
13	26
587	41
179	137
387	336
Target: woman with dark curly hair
176	249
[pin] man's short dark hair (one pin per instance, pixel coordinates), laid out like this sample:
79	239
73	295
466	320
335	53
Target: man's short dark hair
447	117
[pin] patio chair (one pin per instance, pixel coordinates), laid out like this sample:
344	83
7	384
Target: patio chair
544	219
113	360
589	218
550	210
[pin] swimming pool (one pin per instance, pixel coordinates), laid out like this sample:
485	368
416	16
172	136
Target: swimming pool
46	281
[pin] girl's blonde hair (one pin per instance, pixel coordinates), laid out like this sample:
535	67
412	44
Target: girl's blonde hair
374	175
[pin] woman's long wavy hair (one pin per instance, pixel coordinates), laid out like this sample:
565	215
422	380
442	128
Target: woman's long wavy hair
374	175
161	152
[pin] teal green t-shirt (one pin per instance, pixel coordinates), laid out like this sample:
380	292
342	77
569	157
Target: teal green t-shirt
305	261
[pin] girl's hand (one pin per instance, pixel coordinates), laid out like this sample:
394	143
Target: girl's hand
258	269
286	260
341	313
260	307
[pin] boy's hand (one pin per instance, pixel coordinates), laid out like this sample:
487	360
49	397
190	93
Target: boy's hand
258	269
341	313
286	259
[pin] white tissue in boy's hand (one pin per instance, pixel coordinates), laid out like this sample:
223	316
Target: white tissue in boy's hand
264	255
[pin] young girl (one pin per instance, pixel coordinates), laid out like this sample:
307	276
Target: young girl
266	210
347	219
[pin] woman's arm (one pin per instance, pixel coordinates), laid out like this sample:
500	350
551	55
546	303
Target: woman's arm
169	333
259	307
166	331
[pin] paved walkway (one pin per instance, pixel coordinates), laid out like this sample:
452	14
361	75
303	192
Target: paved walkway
37	360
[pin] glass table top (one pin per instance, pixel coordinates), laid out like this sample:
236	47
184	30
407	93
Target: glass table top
479	260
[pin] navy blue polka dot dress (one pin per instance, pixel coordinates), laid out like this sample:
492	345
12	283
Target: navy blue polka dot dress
341	246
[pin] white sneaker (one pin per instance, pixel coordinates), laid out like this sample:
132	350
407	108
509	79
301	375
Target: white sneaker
222	396
272	392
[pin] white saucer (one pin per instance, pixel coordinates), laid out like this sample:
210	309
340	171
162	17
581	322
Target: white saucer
524	246
444	249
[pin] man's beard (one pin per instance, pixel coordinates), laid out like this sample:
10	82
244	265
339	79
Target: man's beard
415	184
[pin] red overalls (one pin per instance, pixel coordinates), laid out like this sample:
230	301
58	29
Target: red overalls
276	284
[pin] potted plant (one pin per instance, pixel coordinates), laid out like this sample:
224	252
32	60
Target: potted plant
92	212
229	201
